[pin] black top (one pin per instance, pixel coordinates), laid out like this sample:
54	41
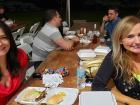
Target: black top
106	72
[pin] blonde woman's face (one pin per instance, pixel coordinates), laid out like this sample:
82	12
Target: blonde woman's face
131	42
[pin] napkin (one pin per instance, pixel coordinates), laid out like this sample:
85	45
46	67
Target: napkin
70	32
52	80
97	98
85	41
86	53
102	49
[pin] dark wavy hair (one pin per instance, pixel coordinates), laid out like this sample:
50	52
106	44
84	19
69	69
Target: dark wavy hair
12	55
116	9
48	15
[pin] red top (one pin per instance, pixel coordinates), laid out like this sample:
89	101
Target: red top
6	93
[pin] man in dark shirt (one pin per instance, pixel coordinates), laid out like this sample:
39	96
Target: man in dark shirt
110	21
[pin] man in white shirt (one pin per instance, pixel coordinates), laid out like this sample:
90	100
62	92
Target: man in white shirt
49	38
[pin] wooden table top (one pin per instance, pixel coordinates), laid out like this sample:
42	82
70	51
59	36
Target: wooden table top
56	59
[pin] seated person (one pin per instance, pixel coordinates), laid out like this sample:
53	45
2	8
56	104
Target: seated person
109	21
13	64
2	14
49	38
122	64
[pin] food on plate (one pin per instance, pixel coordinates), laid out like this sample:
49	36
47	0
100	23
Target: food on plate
57	98
92	63
30	95
91	72
41	96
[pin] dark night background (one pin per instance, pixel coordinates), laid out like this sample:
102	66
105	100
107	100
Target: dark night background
91	10
76	5
79	3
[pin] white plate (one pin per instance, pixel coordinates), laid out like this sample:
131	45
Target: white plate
20	96
71	95
85	41
70	36
102	49
70	32
97	98
86	54
69	99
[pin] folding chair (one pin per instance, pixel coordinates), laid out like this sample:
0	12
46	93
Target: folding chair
27	48
33	30
26	39
21	31
15	35
29	72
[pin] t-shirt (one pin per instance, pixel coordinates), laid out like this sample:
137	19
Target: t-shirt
109	26
6	93
107	71
44	42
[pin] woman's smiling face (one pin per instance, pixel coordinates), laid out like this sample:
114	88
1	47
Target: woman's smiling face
4	43
131	42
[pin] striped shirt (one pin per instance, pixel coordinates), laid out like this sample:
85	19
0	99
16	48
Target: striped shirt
44	42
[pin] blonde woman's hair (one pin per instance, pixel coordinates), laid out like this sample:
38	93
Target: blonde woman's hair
121	57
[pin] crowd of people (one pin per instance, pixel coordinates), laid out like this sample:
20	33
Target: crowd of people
121	64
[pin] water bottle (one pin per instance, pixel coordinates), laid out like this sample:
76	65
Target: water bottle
80	76
94	40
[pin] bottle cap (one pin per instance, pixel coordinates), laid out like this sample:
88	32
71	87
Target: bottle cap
94	26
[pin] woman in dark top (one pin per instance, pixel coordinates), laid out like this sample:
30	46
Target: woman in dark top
122	64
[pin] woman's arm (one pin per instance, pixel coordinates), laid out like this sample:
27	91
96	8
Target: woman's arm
123	98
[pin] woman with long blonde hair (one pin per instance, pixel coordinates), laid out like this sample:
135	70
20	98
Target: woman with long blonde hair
122	64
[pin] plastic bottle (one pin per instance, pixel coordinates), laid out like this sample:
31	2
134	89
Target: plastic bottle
80	76
94	34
